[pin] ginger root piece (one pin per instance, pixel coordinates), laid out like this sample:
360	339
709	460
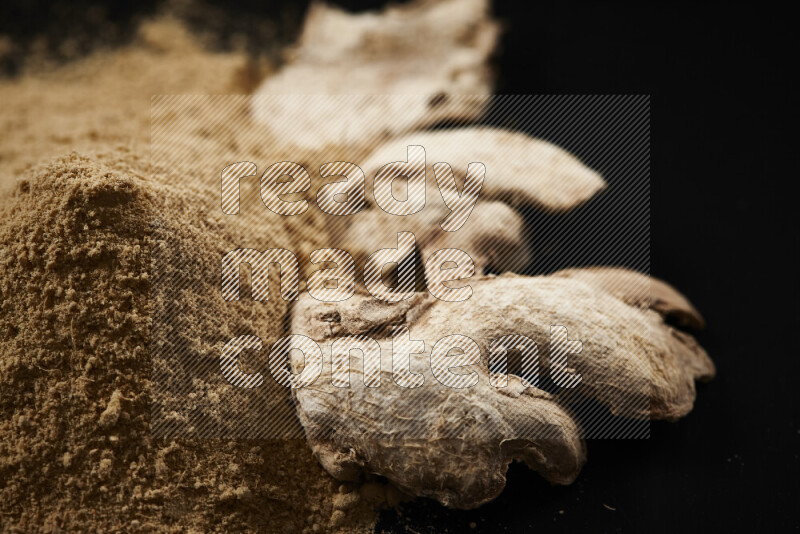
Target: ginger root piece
453	444
631	361
521	170
493	236
422	48
639	290
374	229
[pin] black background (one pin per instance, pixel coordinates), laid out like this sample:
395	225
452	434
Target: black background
723	231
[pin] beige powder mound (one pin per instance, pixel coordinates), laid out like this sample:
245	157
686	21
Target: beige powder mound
76	450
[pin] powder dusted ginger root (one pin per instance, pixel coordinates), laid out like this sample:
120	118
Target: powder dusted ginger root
454	444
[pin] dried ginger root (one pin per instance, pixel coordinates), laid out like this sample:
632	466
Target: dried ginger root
521	172
493	236
640	290
422	48
483	427
631	362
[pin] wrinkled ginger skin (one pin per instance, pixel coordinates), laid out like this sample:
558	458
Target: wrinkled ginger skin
524	171
639	290
388	431
493	236
630	362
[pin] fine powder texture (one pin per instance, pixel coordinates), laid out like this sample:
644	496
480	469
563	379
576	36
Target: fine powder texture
76	450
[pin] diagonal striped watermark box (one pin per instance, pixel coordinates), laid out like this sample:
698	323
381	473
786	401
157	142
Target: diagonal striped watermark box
332	236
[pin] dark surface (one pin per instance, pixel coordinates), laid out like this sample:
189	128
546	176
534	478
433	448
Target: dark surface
723	232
